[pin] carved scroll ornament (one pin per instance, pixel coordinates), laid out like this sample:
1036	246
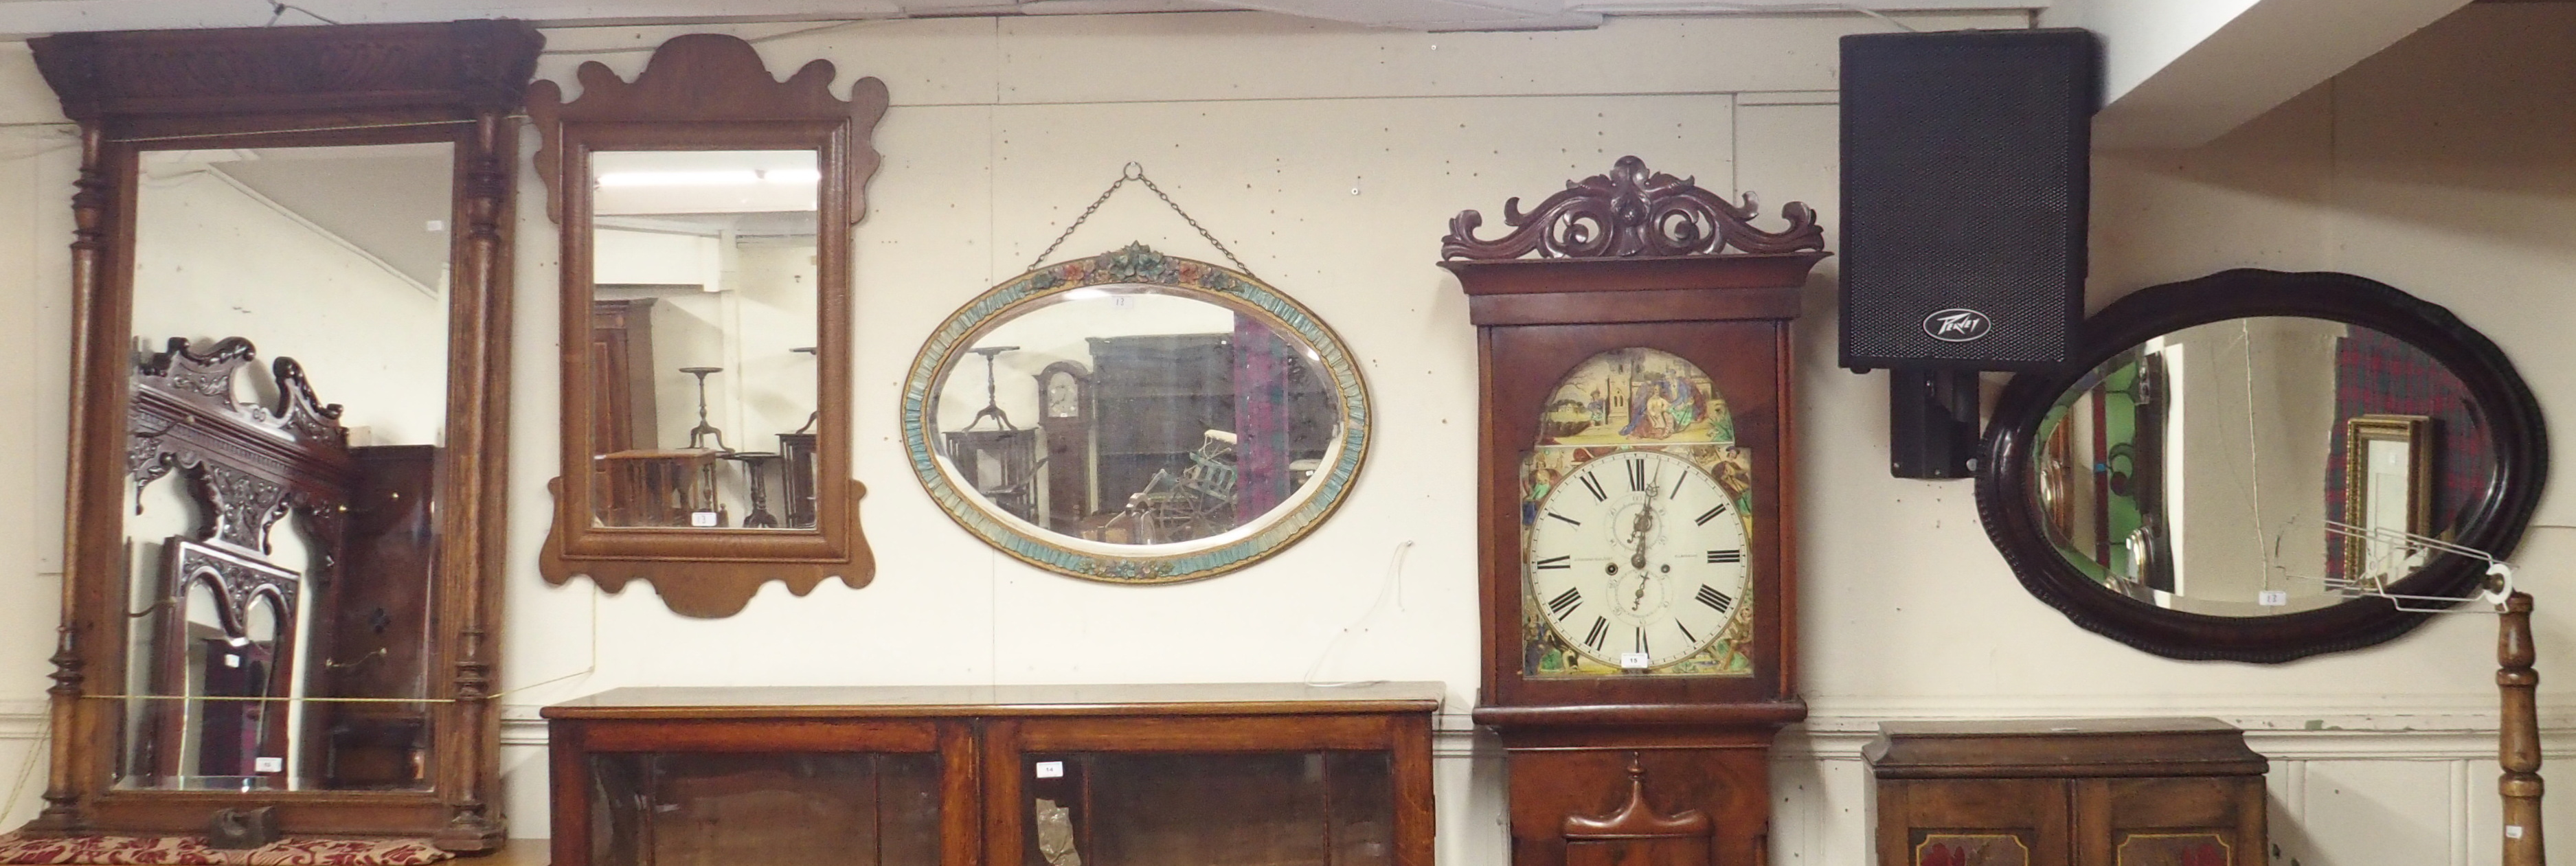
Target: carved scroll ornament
1631	212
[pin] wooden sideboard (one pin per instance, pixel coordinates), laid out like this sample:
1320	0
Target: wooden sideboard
1207	775
2073	792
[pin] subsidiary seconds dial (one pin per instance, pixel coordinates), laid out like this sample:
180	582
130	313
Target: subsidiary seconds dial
1637	559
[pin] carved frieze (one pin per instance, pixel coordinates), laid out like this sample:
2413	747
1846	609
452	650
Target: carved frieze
1631	212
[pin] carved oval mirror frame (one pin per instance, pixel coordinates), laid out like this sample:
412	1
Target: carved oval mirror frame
455	83
1137	268
2006	480
709	92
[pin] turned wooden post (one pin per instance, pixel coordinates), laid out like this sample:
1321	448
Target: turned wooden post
2519	750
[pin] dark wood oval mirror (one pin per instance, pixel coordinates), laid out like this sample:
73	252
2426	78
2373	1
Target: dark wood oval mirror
706	211
2231	465
290	276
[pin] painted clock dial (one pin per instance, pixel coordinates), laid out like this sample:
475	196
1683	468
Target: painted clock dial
1638	563
1636	525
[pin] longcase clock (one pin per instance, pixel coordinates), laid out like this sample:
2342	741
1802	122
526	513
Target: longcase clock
1638	583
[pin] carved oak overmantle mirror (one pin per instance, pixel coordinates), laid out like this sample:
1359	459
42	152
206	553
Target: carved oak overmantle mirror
706	211
290	293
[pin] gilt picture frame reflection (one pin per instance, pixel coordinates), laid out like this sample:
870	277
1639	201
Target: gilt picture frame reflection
1165	419
2388	471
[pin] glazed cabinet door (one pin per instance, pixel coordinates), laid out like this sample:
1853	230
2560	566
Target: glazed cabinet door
1973	822
879	792
1207	791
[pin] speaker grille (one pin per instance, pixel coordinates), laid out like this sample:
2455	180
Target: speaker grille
1965	162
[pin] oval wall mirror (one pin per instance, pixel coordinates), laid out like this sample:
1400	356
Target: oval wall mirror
1136	418
2227	468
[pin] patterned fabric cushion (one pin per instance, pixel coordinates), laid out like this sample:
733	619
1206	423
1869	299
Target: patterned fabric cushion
192	851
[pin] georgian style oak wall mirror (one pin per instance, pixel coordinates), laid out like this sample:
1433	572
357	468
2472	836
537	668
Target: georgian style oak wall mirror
706	211
269	600
2184	484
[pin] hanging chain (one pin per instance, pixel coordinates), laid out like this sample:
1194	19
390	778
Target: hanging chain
1136	172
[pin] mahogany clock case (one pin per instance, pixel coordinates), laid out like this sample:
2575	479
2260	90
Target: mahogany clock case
146	101
1637	764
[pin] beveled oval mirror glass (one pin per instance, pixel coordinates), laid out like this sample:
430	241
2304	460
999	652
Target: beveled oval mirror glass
2207	469
279	558
1136	418
703	337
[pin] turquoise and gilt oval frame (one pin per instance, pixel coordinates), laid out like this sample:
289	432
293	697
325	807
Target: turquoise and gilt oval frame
1140	268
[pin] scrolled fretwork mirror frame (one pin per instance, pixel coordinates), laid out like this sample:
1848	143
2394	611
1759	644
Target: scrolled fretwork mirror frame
455	83
709	92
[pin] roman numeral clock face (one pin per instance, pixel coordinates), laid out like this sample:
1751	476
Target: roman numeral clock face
1636	561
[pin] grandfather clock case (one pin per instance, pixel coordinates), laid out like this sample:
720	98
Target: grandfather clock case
1637	664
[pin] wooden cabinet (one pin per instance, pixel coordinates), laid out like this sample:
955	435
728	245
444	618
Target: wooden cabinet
2088	792
1176	775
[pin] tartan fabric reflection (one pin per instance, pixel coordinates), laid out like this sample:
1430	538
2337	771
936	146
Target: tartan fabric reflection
2377	374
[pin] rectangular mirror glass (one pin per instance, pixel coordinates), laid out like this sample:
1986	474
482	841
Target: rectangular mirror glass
703	330
289	402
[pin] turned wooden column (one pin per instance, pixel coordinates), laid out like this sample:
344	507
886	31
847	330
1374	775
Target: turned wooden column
2519	749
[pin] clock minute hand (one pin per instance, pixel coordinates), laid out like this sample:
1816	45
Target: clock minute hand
1644	528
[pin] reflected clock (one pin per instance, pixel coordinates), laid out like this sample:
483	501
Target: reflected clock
1637	581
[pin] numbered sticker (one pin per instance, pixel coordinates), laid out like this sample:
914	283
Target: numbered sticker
2273	598
1050	769
1636	661
702	518
268	765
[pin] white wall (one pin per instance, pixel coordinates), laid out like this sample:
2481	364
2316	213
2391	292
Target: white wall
214	259
1330	159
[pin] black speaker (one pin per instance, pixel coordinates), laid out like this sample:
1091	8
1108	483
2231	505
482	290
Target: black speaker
1965	160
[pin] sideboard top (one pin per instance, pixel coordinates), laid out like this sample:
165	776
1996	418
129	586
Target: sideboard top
1024	700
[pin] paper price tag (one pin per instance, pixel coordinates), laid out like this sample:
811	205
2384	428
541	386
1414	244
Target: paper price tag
2272	598
702	518
268	765
1636	661
1050	769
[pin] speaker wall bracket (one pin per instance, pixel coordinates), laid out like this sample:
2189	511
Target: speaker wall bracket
1932	426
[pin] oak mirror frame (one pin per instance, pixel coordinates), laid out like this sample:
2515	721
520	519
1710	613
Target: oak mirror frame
765	180
161	108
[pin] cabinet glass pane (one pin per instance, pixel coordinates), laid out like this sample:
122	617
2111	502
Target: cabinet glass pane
1259	809
776	809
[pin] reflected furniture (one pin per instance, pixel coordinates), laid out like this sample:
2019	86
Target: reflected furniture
1065	418
791	161
1637	589
2186	484
2067	792
1218	775
138	93
208	719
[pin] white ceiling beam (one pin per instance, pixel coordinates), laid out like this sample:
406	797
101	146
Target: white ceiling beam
38	17
2180	73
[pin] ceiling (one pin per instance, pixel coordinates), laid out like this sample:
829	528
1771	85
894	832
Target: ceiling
33	17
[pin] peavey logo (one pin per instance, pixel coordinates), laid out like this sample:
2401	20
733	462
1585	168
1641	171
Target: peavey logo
1957	325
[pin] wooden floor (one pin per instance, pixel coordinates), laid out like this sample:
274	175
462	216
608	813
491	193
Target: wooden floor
521	852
